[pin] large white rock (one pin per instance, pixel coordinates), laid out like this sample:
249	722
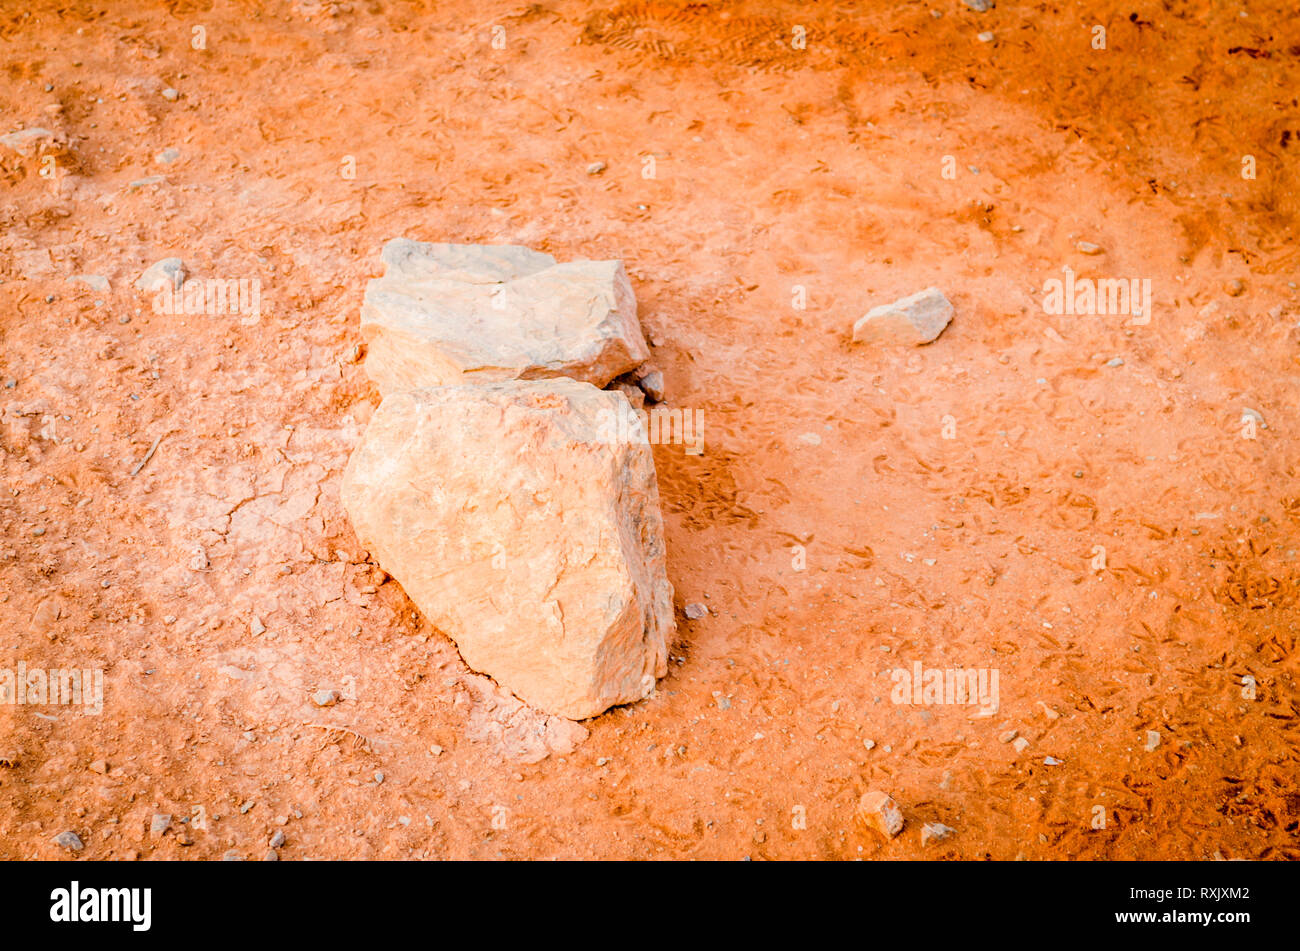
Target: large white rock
916	319
444	314
526	530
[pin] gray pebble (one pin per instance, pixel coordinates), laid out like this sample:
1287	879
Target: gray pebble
69	840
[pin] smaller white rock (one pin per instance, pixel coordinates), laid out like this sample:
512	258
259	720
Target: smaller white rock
936	831
917	319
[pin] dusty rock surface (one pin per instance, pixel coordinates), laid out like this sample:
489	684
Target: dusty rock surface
525	530
443	314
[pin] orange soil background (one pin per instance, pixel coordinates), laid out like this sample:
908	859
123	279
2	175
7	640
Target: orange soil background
775	167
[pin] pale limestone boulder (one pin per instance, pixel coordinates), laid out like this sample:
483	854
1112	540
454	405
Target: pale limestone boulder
917	319
523	519
444	314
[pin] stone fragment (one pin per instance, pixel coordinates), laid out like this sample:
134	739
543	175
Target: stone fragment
69	840
652	384
877	810
156	276
917	319
935	831
525	528
444	314
28	142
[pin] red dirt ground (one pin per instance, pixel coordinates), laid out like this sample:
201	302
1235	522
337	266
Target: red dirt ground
775	167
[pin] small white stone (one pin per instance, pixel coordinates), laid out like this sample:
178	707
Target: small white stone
936	831
917	319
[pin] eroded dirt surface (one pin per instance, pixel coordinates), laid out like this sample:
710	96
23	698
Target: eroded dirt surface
1117	541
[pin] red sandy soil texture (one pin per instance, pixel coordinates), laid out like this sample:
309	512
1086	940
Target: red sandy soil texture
1117	541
